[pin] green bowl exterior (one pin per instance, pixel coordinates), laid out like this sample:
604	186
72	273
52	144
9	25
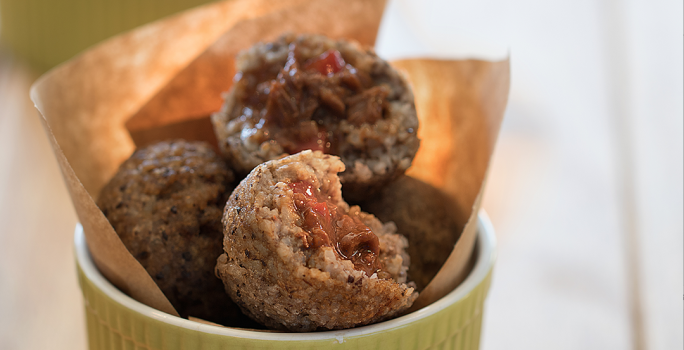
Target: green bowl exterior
48	32
111	325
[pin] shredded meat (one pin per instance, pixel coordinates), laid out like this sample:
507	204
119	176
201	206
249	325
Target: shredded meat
302	105
326	225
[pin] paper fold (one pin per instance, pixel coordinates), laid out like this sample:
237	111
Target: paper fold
460	106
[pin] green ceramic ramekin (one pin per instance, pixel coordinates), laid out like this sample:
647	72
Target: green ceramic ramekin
115	321
48	32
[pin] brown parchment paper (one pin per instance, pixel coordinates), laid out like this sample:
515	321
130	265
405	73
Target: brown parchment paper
164	79
460	106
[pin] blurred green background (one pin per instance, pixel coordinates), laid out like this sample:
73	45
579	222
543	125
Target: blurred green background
48	32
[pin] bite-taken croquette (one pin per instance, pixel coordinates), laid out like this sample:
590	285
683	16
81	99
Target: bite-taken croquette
428	217
311	92
166	203
297	257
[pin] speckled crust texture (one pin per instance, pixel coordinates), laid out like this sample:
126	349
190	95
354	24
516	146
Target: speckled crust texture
166	204
280	283
428	217
373	153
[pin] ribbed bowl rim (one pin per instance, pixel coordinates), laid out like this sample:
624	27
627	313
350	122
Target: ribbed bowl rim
486	246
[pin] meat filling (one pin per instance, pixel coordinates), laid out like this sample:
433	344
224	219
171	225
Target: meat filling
301	105
326	225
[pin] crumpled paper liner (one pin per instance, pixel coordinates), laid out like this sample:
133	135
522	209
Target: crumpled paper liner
164	79
460	106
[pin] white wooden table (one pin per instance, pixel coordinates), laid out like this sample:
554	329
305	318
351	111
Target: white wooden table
585	190
586	186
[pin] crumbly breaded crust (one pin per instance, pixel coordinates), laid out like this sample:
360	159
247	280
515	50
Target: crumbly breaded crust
271	274
166	204
428	217
374	151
